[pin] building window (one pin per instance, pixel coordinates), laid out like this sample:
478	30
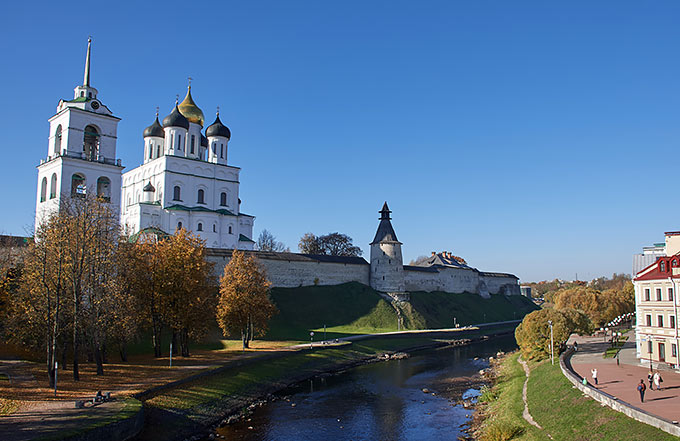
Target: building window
230	230
674	263
214	228
649	347
223	199
91	143
222	151
200	227
53	186
201	196
649	320
43	190
57	140
78	185
176	193
193	141
214	147
670	294
647	294
659	320
662	266
158	151
179	225
104	188
672	320
179	142
150	150
658	294
172	140
674	350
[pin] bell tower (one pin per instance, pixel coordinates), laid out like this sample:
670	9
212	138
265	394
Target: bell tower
81	151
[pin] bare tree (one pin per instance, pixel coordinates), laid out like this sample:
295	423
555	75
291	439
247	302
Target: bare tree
267	242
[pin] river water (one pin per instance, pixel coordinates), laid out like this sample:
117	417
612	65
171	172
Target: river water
379	401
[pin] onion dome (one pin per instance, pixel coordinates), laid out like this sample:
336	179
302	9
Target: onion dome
149	187
189	109
218	129
176	119
204	141
155	129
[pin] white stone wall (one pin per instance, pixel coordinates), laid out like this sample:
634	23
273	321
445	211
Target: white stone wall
387	267
291	274
453	280
500	284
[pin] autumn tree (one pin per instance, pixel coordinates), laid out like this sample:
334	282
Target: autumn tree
533	334
332	244
244	305
187	290
266	241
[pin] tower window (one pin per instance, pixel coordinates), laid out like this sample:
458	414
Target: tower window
214	148
43	190
150	150
179	142
91	143
214	228
78	185
57	140
201	196
222	151
223	199
104	188
193	143
158	151
176	193
53	186
200	227
230	230
82	94
179	225
172	140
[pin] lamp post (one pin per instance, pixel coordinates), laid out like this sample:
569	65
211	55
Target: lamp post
552	352
56	367
311	339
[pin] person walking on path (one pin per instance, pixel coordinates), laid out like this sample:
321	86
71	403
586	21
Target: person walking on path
575	346
594	374
657	380
641	388
650	378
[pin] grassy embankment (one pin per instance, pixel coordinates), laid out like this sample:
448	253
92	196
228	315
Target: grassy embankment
563	411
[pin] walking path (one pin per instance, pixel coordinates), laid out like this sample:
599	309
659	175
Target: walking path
525	413
621	380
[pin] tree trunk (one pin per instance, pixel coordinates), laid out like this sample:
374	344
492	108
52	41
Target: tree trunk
174	342
185	342
64	349
76	351
122	350
156	338
98	359
105	358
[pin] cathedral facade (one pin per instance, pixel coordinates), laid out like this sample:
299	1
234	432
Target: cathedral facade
184	180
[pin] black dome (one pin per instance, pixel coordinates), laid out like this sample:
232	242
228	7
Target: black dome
154	129
218	129
204	141
176	119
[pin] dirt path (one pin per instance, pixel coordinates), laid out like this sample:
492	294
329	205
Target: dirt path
527	416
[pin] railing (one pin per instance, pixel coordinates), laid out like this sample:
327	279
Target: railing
99	158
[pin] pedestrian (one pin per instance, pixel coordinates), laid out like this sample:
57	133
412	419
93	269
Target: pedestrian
594	374
650	378
575	346
657	380
641	388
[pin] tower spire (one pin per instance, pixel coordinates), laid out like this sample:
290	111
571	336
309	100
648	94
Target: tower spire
86	77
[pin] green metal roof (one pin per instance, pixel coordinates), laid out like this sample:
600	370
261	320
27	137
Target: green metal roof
179	207
242	238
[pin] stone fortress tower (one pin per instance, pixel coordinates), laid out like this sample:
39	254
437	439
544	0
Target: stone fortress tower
81	153
387	266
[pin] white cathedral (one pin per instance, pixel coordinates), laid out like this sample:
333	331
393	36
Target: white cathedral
183	182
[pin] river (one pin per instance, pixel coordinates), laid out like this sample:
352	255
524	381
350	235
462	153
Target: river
378	401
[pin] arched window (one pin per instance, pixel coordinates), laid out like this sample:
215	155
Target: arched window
214	228
158	151
150	150
230	230
201	196
78	185
214	148
43	190
104	188
179	225
53	186
193	143
200	227
176	193
662	266
57	140
222	151
179	142
91	143
223	199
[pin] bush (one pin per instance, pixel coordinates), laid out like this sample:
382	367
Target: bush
487	395
501	431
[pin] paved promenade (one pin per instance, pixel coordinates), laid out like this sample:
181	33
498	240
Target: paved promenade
621	380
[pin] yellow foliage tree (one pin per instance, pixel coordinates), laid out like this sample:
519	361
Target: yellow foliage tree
244	305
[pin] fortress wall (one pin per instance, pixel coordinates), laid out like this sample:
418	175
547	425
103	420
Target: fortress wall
501	284
290	274
453	280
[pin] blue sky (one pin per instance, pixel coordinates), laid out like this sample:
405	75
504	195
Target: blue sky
528	136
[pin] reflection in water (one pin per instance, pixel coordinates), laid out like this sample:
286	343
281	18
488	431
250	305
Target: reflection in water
380	401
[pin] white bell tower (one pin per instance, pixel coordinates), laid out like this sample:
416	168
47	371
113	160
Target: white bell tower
81	152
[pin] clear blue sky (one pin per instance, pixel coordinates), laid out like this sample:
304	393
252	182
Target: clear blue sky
525	136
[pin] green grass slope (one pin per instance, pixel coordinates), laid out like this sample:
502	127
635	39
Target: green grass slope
439	308
353	308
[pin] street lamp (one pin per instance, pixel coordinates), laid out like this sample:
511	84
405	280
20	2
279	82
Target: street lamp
552	352
311	339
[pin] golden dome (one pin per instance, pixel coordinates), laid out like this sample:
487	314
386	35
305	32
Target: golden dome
190	110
